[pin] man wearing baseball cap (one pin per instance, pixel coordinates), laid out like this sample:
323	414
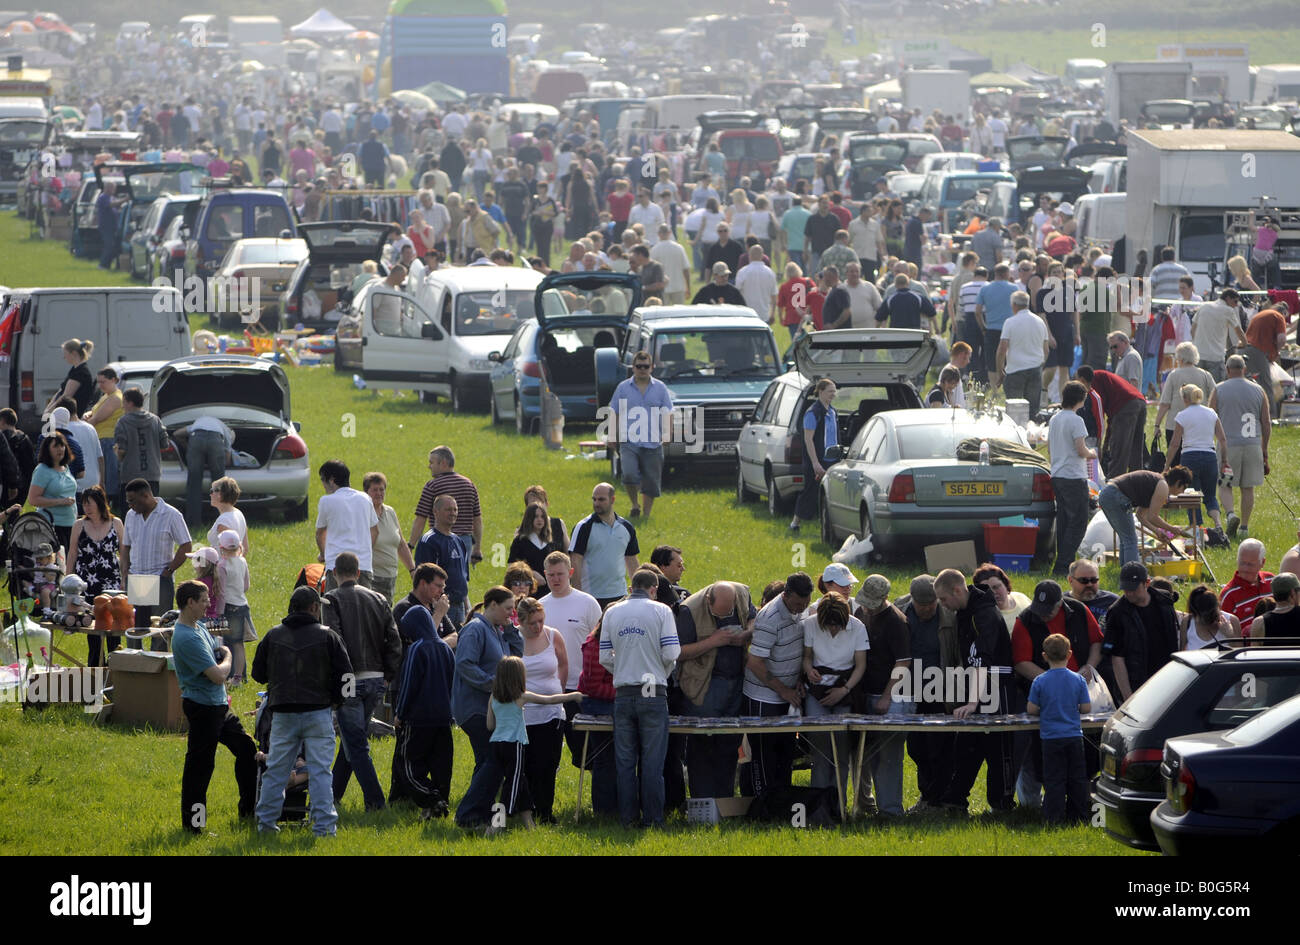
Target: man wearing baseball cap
890	653
304	665
1141	630
719	291
1284	619
1049	612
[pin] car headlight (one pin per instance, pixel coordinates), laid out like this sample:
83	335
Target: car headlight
479	364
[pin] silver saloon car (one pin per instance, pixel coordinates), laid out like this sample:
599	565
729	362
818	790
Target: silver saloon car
251	396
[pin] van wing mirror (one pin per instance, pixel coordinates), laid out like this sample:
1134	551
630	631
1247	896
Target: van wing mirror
430	330
495	357
837	452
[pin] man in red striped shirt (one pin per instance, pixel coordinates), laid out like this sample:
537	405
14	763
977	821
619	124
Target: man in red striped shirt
1248	586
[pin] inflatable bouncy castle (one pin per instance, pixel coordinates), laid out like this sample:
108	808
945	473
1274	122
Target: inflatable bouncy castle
459	42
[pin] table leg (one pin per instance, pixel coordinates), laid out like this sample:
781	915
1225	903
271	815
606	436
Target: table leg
839	784
67	656
582	768
857	771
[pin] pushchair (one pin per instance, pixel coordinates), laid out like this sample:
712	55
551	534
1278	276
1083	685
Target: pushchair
22	535
296	802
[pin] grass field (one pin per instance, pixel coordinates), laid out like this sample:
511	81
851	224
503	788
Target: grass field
66	787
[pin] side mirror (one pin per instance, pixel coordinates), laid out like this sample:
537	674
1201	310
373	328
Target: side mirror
429	330
495	357
837	452
297	426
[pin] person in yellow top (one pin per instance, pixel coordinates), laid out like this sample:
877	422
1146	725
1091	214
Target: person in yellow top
103	416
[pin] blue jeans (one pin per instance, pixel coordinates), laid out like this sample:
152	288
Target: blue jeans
481	179
600	760
885	764
796	257
206	453
111	485
823	767
476	806
1204	465
458	611
314	733
1118	510
640	746
354	743
711	759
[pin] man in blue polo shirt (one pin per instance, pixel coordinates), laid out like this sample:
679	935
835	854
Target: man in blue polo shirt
202	665
603	550
993	308
449	551
640	423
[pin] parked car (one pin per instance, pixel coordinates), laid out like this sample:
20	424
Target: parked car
949	161
1109	175
948	193
750	149
573	342
318	291
125	323
229	215
139	184
254	272
251	396
167	258
21	141
801	166
871	368
1233	792
438	340
900	482
1197	691
870	157
136	374
717	361
144	241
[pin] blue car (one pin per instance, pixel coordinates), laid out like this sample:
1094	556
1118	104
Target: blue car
573	342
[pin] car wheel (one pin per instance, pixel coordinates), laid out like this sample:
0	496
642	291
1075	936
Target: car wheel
298	513
828	532
615	468
492	410
458	403
743	495
775	504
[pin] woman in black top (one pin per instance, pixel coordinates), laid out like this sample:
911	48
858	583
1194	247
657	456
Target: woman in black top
533	540
1056	303
78	384
941	394
1142	493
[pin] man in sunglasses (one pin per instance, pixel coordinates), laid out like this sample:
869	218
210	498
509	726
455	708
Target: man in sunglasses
1085	588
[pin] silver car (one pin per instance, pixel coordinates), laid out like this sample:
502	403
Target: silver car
251	396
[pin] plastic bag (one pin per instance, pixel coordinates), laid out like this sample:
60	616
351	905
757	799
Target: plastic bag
1099	695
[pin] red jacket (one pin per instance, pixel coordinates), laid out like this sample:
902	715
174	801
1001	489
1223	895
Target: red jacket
1114	392
1239	598
595	680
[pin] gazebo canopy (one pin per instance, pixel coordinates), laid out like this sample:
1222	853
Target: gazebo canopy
322	24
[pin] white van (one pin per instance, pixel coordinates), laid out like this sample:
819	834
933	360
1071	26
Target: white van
1277	83
124	323
1100	219
437	341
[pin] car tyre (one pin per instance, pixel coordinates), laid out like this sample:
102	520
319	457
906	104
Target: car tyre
775	504
523	426
828	532
298	513
458	403
743	495
493	412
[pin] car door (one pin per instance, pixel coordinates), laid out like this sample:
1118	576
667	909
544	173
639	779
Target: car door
752	445
846	479
137	331
502	375
398	341
60	317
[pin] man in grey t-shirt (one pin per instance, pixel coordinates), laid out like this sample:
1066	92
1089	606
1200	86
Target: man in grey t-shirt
988	244
1243	410
1069	453
1128	363
138	440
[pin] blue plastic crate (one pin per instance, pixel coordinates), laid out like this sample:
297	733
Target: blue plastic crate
1018	564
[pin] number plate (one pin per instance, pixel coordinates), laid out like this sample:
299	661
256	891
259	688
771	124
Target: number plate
973	489
1108	763
716	449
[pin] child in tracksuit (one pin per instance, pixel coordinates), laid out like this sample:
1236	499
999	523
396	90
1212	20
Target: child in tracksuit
422	759
1058	697
505	720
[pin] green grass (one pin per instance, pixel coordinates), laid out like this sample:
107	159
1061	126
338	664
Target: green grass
66	787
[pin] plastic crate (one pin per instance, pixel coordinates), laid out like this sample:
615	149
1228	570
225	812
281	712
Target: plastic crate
1018	564
1186	569
1010	539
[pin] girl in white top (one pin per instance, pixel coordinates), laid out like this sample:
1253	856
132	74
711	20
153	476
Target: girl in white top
738	215
1205	624
1196	430
761	222
232	576
546	667
224	495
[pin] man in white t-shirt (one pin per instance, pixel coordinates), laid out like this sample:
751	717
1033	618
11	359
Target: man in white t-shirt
1217	323
648	214
454	124
1022	352
345	521
865	300
573	612
671	255
886	124
999	129
757	283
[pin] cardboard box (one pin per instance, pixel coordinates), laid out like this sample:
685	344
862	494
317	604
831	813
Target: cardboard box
710	810
145	690
953	554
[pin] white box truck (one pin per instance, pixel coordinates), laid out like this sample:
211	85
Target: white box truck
1275	83
1220	71
1181	183
1130	85
948	90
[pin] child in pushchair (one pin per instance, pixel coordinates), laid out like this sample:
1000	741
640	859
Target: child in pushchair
295	793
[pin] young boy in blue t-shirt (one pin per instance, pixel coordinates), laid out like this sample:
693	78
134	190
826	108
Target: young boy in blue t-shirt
1058	697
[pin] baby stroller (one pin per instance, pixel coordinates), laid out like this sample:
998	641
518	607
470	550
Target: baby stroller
22	535
296	803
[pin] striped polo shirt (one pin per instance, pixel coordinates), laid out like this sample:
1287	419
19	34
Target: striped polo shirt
459	488
778	640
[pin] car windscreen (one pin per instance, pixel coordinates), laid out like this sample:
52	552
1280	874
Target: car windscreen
939	440
1159	692
714	353
1168	112
22	132
960	189
1201	239
873	151
153	184
570	299
755	147
492	313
